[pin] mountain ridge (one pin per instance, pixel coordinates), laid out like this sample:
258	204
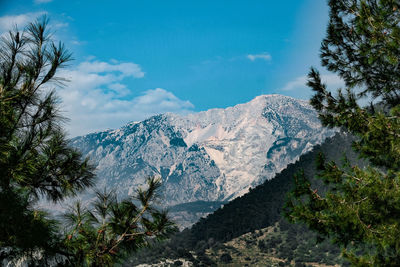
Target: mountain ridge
259	209
213	155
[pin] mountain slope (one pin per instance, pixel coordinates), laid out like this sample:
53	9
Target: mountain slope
258	209
215	155
264	203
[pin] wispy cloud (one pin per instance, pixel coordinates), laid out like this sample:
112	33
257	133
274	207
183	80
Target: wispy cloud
60	25
263	56
76	42
330	80
9	21
124	69
296	83
42	1
160	101
96	97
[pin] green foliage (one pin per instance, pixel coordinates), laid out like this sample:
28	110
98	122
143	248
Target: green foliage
197	206
35	158
36	161
105	232
360	205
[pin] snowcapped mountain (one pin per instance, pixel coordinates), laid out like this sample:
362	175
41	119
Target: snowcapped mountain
215	155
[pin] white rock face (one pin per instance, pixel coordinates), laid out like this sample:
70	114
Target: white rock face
212	155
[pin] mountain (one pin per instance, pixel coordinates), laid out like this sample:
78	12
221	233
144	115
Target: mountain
215	155
253	212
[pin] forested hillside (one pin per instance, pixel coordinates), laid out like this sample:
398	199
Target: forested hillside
260	208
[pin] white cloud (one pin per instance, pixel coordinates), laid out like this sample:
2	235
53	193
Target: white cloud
331	80
296	83
76	42
42	1
96	97
264	56
8	22
126	69
162	101
60	25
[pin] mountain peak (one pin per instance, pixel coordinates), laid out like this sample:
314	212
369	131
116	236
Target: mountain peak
276	97
211	155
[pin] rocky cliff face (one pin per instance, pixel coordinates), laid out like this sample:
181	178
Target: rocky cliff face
215	155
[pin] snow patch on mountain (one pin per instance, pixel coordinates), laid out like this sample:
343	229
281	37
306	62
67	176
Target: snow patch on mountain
212	155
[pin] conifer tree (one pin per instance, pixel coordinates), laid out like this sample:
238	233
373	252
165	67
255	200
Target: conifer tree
37	161
109	229
35	158
359	208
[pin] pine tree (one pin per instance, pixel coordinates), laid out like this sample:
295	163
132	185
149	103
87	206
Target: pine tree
359	208
35	157
110	229
37	161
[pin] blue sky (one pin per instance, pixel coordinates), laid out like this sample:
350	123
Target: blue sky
135	58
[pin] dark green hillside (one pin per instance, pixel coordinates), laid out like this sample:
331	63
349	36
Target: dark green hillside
260	208
197	206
